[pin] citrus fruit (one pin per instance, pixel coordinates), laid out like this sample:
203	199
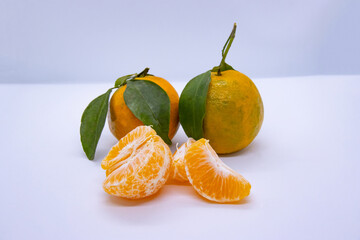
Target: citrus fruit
140	99
222	105
121	120
178	165
234	111
138	165
210	177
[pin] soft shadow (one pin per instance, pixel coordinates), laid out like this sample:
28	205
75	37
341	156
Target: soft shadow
118	201
188	191
103	149
250	157
243	201
173	182
254	147
133	212
169	191
164	205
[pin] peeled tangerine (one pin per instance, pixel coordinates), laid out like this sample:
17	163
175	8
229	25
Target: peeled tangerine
210	177
138	165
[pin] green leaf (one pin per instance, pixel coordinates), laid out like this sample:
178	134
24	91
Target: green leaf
192	105
150	104
92	123
122	80
223	67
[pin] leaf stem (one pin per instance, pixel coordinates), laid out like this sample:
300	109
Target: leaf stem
143	73
226	47
228	44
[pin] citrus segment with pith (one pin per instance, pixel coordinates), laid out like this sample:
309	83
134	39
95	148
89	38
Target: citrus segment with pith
138	166
211	177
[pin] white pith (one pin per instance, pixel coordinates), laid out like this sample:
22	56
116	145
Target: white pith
179	161
141	149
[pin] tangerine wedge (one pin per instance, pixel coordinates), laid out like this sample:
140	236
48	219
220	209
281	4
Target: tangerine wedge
138	165
211	177
178	172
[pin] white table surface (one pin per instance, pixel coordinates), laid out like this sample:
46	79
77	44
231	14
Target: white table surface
304	168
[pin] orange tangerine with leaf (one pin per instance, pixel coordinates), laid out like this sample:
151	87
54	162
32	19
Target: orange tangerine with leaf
222	105
140	99
122	120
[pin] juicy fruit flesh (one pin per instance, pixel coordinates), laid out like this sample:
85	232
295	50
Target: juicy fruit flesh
138	166
121	120
234	112
211	177
178	172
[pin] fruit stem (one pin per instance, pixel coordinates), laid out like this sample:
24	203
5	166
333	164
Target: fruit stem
227	46
143	73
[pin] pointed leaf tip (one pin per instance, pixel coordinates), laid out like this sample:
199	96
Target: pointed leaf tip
192	105
92	123
122	80
150	104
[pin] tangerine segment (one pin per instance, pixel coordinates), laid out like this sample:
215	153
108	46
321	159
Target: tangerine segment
178	172
210	177
127	145
141	169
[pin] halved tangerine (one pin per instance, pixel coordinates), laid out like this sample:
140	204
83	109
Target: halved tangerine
211	177
138	165
178	172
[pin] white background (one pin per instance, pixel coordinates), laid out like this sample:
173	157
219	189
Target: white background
98	41
304	168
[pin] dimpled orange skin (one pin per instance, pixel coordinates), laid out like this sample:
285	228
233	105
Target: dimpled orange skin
121	120
234	112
